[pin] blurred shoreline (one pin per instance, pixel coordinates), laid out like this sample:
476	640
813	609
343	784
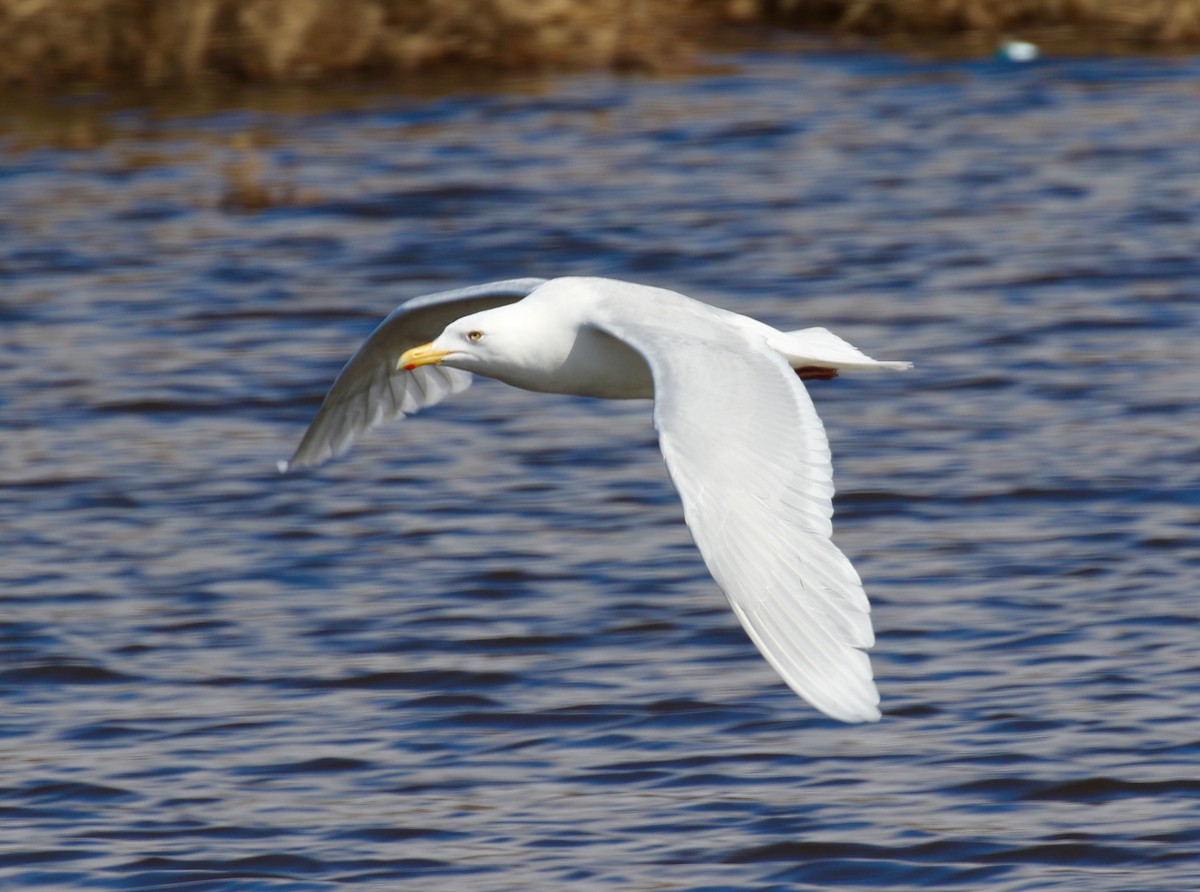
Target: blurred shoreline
54	44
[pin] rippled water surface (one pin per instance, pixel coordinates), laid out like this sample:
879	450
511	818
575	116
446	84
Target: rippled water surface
480	652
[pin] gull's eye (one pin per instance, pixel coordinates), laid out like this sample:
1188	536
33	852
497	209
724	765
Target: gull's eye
474	335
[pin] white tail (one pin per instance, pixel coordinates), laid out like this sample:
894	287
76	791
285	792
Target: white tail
821	347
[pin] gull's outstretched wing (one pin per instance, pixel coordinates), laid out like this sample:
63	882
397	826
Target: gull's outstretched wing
370	389
748	454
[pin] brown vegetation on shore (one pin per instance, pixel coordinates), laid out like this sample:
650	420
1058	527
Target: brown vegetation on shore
179	41
63	42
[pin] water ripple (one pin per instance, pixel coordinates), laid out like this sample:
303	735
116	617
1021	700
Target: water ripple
481	651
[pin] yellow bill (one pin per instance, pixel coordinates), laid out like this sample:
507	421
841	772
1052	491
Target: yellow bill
418	356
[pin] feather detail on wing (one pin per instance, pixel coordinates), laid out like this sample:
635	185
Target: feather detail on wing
371	390
749	456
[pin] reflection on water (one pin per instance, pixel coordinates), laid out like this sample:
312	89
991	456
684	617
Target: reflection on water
481	652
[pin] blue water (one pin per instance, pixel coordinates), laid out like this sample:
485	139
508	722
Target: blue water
480	652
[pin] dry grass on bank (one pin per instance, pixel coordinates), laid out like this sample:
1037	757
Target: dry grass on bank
180	41
59	42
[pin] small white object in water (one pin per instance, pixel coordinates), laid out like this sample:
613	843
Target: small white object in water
1018	51
738	432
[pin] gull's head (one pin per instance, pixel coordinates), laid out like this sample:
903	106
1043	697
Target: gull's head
501	343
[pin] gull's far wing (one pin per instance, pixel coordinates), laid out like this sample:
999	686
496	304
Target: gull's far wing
748	454
371	390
